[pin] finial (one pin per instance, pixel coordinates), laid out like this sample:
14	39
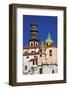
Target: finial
49	40
49	35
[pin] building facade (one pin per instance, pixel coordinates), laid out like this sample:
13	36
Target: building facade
39	58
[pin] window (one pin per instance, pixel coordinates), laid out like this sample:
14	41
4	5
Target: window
36	44
27	57
40	55
50	52
32	51
33	62
40	70
25	51
25	67
52	71
31	44
34	56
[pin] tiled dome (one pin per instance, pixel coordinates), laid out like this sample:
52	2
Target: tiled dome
48	40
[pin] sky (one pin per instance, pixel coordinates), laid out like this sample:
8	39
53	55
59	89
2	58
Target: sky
47	24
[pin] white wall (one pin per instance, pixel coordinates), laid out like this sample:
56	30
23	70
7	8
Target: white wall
4	47
51	59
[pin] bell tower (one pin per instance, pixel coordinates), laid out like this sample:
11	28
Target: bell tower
34	41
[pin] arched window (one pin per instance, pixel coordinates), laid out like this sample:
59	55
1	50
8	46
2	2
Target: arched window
50	52
31	44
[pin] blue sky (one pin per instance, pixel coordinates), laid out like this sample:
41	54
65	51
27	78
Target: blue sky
47	24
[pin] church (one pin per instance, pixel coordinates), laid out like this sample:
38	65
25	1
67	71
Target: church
39	58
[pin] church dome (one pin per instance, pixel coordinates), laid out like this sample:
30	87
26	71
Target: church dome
49	40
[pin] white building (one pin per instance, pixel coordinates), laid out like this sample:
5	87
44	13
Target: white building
39	59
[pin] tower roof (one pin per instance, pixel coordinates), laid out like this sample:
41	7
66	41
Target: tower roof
49	40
